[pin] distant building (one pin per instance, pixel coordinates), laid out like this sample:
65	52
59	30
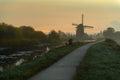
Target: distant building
80	34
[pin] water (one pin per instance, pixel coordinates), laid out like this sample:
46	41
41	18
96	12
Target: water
1	49
16	57
1	68
19	62
47	49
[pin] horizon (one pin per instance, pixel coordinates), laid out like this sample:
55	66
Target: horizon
59	15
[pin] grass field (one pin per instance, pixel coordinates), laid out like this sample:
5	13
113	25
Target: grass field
29	69
102	62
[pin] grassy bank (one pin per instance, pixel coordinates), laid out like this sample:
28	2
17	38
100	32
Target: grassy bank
102	62
28	69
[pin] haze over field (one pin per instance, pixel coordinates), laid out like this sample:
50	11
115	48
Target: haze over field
45	15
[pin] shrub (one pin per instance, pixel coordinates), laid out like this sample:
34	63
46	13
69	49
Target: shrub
112	43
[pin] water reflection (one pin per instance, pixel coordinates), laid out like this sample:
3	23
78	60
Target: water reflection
16	57
19	62
1	68
1	49
47	49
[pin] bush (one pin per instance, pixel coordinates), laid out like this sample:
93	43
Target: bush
112	43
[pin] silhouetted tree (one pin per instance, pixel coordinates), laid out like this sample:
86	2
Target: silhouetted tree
63	36
39	35
27	31
8	31
109	33
69	35
11	35
53	37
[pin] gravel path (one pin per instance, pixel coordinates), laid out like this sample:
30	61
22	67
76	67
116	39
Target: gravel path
65	68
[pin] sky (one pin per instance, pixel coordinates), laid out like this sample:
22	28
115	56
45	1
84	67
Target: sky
46	15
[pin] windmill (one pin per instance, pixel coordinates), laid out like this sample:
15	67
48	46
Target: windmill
80	34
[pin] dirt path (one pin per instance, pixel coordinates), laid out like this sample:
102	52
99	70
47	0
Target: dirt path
65	68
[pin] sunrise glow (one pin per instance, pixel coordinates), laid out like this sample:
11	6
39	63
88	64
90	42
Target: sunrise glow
46	15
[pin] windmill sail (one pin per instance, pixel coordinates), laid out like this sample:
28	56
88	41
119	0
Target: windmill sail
75	24
82	18
88	26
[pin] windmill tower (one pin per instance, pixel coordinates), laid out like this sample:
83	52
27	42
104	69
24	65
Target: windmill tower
80	34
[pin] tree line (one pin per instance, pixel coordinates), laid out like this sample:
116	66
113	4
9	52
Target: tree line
112	34
26	35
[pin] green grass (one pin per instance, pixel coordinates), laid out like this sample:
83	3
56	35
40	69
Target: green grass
102	62
29	69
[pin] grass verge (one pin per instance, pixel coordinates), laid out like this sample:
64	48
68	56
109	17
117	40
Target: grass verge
26	70
102	62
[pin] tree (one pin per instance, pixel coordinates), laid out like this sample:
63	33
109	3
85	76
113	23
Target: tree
39	35
27	31
109	33
53	37
8	31
63	36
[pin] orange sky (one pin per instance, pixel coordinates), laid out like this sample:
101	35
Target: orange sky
46	15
